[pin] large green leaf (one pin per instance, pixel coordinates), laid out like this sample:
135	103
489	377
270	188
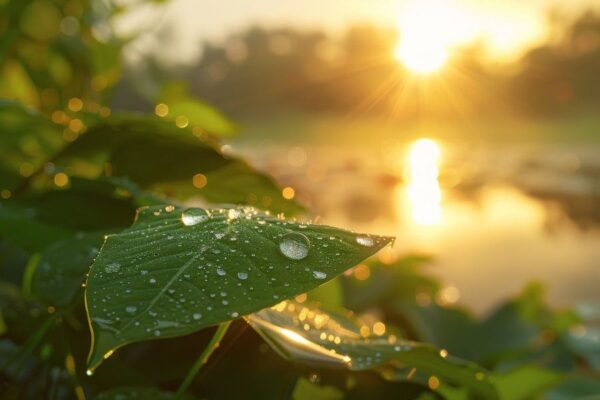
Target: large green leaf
159	156
305	333
176	271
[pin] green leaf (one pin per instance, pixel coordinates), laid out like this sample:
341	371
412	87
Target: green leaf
21	226
306	334
176	271
401	280
525	382
28	139
62	268
35	221
198	113
158	156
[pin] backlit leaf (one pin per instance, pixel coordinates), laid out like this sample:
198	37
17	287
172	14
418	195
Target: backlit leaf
306	334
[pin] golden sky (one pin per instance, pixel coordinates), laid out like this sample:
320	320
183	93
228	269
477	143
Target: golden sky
506	26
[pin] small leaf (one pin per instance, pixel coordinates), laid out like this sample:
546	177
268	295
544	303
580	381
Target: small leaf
198	113
176	271
306	334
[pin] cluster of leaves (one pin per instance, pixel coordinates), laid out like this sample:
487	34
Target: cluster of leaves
175	271
101	254
169	271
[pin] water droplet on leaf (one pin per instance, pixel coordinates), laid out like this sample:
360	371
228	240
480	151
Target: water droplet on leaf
113	267
364	241
319	275
294	246
193	216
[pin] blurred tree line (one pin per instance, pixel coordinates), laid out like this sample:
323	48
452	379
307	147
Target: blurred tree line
263	70
56	51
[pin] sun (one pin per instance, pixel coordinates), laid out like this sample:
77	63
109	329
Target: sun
429	29
422	57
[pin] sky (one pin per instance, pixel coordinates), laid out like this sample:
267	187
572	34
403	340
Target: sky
508	26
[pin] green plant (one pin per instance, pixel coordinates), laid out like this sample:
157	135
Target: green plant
120	229
177	269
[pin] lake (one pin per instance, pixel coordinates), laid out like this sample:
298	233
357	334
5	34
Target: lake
494	214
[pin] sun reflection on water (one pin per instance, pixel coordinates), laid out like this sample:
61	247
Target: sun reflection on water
423	189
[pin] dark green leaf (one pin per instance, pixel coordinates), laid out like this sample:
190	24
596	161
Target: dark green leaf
62	268
21	227
158	156
176	271
35	221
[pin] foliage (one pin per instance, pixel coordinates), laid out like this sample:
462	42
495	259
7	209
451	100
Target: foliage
142	227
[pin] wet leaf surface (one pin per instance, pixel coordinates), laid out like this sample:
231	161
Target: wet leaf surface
309	335
176	270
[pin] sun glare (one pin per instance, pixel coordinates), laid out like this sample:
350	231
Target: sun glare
429	29
423	190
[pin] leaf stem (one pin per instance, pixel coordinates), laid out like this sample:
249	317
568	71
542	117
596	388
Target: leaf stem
210	348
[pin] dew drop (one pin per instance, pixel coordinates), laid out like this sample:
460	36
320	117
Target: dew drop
234	314
193	216
294	246
89	372
197	316
221	272
364	241
319	275
152	280
233	213
242	275
112	267
131	309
